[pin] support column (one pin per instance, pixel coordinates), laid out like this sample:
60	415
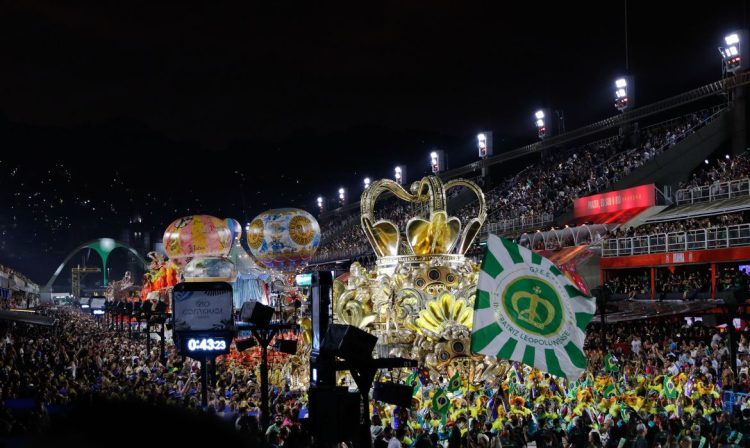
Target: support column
713	281
653	283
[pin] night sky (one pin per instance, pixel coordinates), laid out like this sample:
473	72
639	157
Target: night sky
113	110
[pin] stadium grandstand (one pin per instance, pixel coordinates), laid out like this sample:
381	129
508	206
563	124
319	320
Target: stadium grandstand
652	202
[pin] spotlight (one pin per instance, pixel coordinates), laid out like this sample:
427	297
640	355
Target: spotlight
367	182
342	195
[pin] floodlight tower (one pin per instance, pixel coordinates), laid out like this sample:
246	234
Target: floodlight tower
733	61
734	53
624	93
437	161
541	124
320	204
399	174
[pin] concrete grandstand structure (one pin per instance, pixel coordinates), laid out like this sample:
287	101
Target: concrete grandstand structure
581	196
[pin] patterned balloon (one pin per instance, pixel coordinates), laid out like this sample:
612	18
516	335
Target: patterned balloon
235	227
197	236
284	238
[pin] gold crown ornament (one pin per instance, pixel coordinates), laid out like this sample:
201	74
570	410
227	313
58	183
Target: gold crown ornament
439	234
419	297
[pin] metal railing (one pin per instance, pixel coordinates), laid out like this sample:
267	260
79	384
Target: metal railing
511	225
700	239
714	192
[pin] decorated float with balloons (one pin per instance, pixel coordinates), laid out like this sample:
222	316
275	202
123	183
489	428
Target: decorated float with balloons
203	248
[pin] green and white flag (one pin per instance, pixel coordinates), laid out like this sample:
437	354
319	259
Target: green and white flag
527	310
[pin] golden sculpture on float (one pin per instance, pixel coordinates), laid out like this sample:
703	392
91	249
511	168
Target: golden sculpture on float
419	297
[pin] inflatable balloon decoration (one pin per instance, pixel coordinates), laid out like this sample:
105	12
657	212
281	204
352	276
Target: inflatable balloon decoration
284	239
200	244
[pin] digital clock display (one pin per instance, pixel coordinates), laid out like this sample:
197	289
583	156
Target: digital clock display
206	344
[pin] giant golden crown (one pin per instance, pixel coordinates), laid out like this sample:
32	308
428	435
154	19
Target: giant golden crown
435	234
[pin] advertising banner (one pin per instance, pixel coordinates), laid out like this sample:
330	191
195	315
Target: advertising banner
639	197
203	307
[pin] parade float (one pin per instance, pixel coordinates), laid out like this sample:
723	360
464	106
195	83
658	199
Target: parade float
418	299
204	248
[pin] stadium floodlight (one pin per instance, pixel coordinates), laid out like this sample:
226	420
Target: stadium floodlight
732	39
399	174
484	144
342	195
732	54
541	128
437	163
623	94
320	203
367	182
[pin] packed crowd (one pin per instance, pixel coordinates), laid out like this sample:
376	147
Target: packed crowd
620	397
728	169
77	360
557	181
683	284
684	225
19	299
10	273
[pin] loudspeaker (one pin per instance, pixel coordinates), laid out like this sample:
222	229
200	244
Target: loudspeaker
256	313
334	414
322	288
244	344
710	320
286	346
348	342
392	393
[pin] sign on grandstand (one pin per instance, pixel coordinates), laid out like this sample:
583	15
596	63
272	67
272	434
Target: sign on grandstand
636	198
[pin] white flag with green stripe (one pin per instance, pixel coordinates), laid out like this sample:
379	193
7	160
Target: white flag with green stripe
527	310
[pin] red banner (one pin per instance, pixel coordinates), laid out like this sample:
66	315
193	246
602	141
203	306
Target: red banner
643	196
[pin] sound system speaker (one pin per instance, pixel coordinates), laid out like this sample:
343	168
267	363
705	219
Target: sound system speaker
710	320
392	393
286	346
322	289
256	313
334	415
348	342
244	344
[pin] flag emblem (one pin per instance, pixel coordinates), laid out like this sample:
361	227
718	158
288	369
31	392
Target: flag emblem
526	310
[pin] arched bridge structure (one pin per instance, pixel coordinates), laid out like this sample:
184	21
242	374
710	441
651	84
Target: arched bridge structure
103	247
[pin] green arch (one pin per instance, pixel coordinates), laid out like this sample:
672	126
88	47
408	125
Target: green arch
103	247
